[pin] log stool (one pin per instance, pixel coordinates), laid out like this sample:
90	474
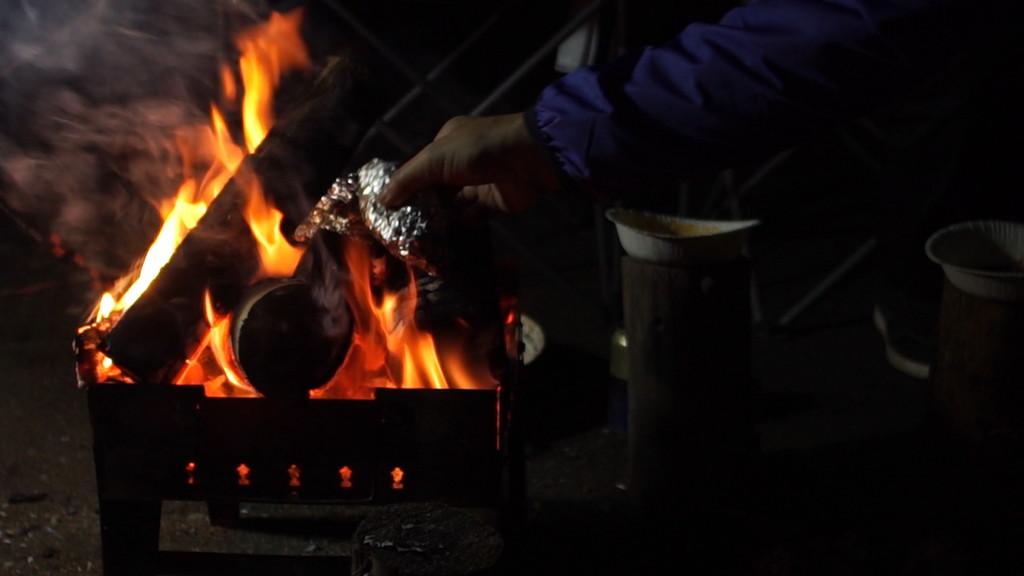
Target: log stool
691	439
978	378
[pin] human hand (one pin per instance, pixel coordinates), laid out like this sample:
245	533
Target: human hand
488	162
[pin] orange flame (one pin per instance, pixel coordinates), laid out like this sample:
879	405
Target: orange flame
268	51
219	341
278	258
387	348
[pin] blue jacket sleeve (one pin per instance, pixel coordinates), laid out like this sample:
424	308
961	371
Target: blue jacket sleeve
765	77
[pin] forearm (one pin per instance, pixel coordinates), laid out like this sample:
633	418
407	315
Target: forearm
767	76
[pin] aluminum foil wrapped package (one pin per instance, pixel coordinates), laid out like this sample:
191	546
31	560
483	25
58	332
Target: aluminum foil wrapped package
413	233
338	211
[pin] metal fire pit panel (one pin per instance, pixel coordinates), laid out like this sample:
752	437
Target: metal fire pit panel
446	442
154	442
143	436
290	452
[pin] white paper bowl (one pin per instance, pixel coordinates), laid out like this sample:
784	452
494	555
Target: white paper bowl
676	241
984	257
532	338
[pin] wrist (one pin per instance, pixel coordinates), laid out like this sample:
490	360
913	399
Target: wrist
550	174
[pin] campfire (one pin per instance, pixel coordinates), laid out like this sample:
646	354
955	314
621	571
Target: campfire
236	364
370	337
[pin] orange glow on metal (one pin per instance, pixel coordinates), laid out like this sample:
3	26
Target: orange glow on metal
243	474
346	476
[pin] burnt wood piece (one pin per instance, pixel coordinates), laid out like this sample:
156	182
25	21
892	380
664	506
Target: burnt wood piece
691	438
301	155
424	539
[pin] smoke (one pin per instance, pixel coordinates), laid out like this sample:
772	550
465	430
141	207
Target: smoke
93	95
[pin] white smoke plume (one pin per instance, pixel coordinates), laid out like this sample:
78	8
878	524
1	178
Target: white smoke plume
93	94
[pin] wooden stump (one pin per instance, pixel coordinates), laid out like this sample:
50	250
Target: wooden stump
424	539
978	378
690	431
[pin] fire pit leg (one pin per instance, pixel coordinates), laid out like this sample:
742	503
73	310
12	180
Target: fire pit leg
223	514
130	534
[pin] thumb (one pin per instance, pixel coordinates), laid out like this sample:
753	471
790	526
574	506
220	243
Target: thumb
407	181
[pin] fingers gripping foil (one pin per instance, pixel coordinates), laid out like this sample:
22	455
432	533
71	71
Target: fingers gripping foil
412	233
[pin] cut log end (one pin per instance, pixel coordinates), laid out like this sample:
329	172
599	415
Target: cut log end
286	342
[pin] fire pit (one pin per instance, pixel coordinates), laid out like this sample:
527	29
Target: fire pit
158	442
237	366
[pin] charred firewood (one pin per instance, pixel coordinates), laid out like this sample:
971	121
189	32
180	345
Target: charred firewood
153	338
301	154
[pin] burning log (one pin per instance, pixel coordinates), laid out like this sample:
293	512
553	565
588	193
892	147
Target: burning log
152	339
422	539
285	341
298	159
